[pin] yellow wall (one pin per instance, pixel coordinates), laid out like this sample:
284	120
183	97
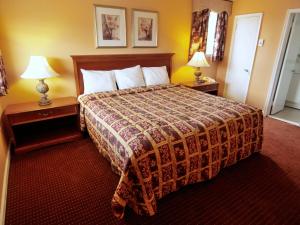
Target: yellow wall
58	29
272	26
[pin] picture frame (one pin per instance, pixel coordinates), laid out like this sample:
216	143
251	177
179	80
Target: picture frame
144	28
110	23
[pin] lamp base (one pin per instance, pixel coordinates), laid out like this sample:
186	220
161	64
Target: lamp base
44	100
43	88
198	75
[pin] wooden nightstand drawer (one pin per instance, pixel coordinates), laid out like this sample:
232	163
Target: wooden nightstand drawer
45	114
210	87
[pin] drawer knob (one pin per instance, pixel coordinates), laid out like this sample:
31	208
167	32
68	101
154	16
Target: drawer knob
44	113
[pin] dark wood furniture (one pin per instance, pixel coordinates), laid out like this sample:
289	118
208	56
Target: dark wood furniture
209	87
31	126
110	62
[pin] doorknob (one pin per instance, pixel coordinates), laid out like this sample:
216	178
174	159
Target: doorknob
246	70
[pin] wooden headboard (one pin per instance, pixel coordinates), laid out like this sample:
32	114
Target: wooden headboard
110	62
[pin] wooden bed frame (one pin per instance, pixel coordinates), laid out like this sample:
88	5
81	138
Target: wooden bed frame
110	62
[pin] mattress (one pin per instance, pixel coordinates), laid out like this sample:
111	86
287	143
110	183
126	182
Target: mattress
162	138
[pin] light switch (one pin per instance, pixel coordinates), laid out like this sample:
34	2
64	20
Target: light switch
261	42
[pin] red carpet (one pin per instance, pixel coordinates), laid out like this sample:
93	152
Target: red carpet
73	184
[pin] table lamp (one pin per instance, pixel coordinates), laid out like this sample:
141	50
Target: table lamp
198	60
39	68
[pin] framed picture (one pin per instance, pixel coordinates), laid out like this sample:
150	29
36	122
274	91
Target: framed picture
110	26
145	28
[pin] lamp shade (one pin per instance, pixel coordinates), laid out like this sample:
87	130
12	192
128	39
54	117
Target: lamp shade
38	68
198	60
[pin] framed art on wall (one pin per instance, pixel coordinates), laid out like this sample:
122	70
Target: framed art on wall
145	28
110	26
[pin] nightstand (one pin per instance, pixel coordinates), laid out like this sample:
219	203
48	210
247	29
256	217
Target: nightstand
31	126
210	87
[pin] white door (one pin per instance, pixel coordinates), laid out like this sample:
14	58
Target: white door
288	66
243	48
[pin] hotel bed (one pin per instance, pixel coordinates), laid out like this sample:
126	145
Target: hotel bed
161	138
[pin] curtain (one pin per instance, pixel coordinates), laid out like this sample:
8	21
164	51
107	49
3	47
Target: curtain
3	83
220	36
213	5
199	31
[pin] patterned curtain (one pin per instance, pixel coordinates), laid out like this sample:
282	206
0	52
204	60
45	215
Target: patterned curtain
220	36
3	83
199	31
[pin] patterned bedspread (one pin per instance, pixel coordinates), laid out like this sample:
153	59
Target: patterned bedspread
162	138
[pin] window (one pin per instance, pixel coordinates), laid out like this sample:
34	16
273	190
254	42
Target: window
212	23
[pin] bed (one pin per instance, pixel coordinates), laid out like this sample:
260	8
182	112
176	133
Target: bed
162	138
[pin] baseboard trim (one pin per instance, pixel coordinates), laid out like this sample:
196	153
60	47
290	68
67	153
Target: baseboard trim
292	104
4	188
284	120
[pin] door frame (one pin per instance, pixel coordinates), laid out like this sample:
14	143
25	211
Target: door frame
260	15
278	61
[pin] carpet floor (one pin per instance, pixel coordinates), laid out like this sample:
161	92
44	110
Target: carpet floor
73	184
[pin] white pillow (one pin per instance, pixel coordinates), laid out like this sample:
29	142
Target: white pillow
98	81
156	75
130	77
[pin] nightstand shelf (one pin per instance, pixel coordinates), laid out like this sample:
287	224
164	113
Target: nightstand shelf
31	126
210	87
